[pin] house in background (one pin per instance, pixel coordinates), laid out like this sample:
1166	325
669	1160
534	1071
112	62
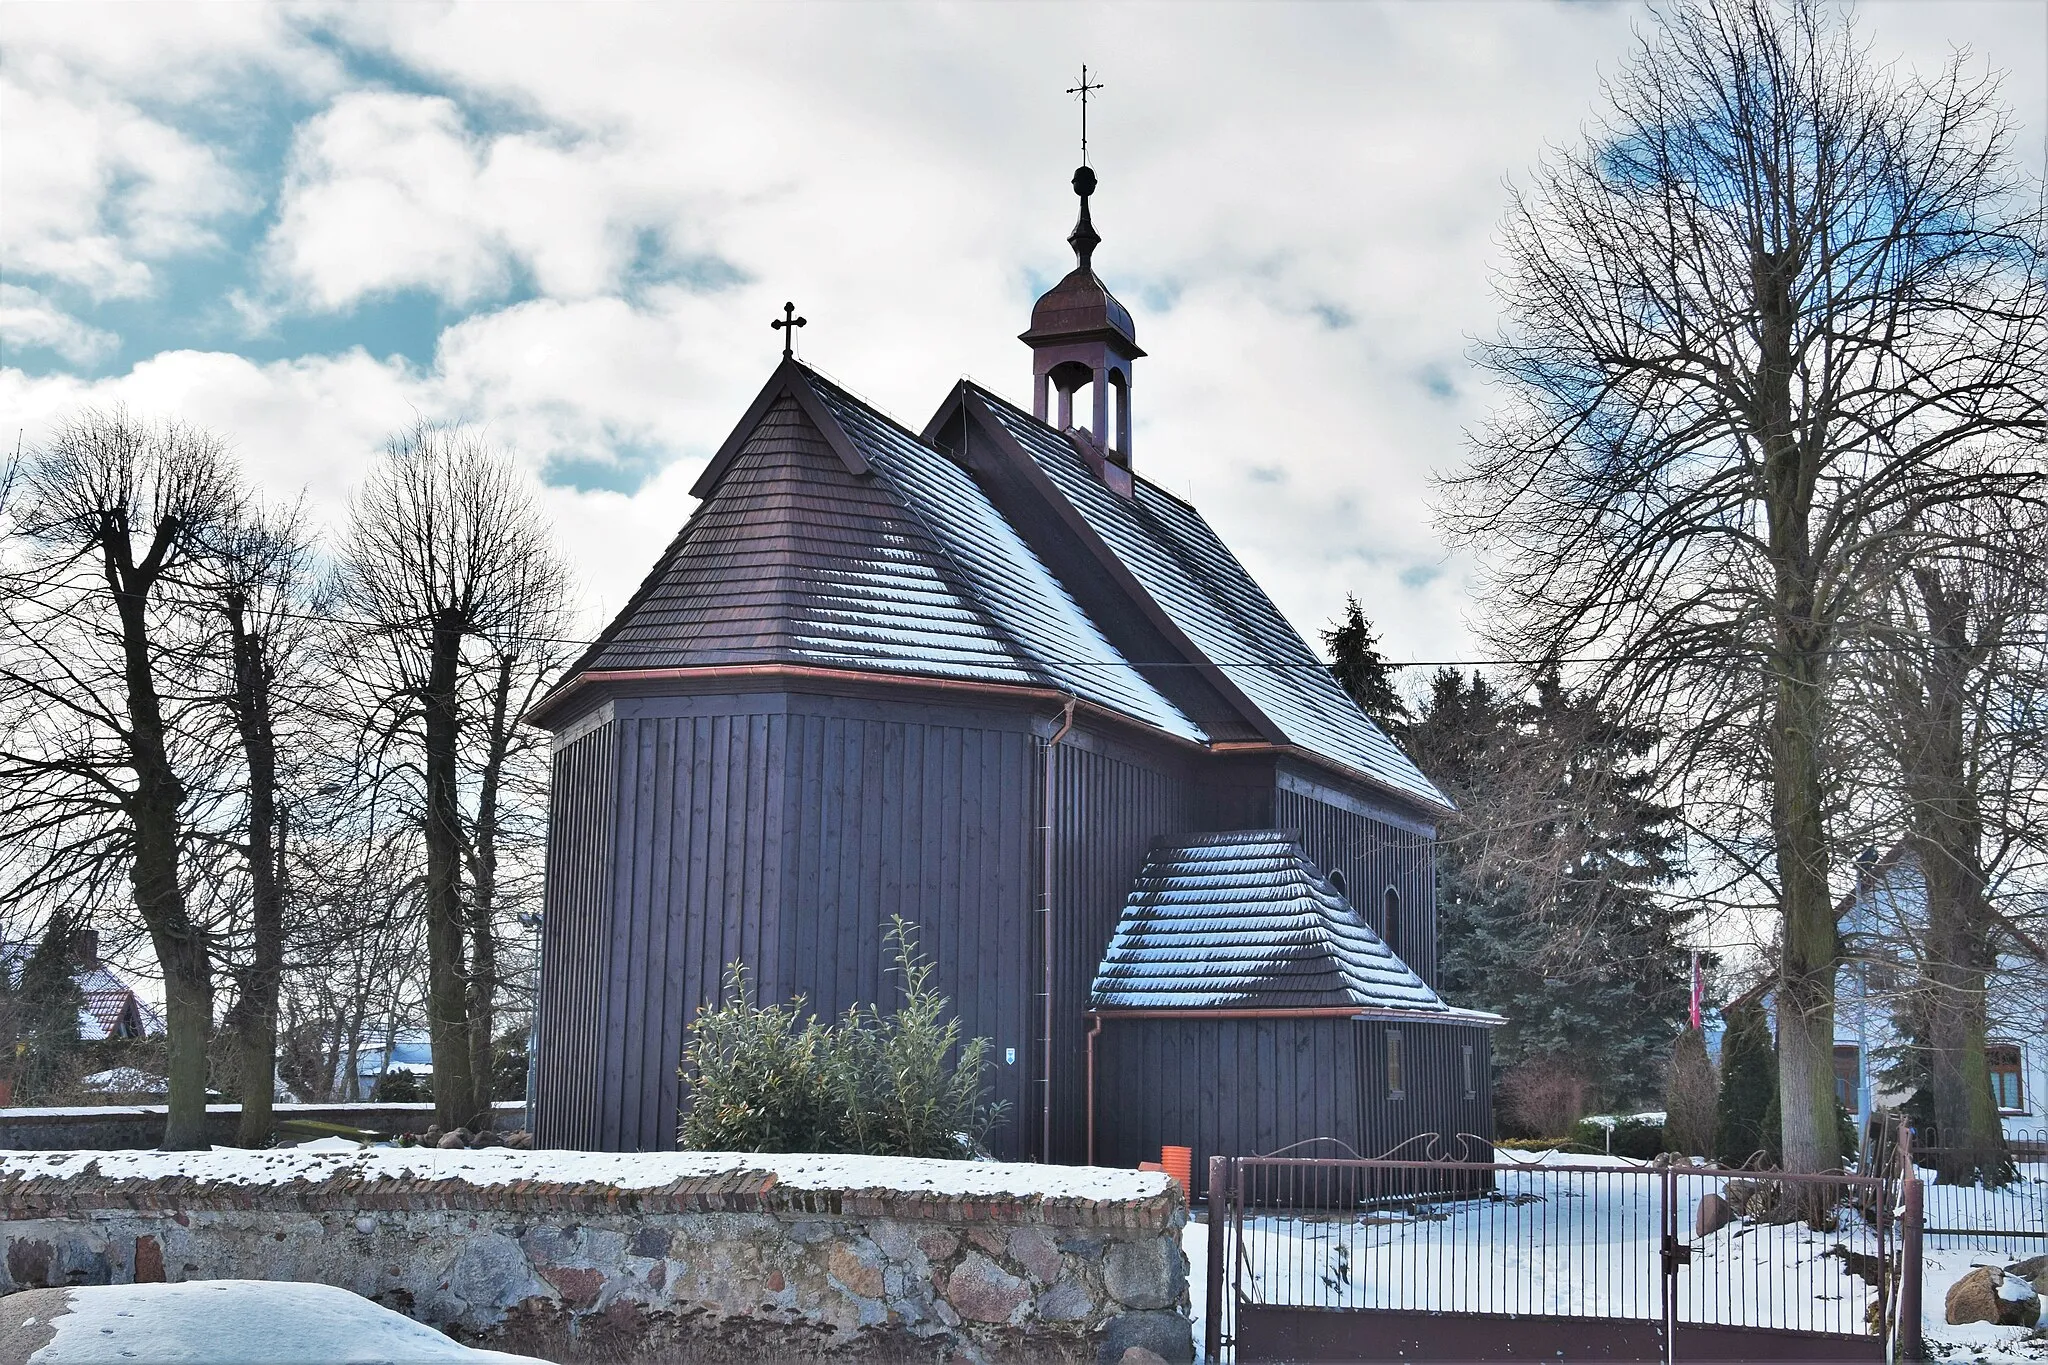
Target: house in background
1882	922
112	1008
986	675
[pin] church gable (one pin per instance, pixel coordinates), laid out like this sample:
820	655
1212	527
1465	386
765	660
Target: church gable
793	558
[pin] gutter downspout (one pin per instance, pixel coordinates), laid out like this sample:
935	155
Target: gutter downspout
1094	1027
1045	842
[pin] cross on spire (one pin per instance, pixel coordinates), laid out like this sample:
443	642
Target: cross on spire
1084	89
787	325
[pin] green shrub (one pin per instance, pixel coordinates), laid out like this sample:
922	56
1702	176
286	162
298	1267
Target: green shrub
401	1087
1639	1139
775	1079
762	1078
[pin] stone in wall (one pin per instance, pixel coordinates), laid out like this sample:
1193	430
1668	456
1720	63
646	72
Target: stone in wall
735	1267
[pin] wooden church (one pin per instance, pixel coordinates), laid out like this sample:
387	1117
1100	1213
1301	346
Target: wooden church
985	675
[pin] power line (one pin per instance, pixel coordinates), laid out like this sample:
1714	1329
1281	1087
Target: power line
1268	663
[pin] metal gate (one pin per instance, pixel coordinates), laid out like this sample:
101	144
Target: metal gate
1367	1260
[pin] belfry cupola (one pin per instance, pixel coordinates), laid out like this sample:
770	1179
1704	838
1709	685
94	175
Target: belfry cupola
1081	337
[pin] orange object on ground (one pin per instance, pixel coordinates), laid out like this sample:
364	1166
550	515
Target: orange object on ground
1180	1164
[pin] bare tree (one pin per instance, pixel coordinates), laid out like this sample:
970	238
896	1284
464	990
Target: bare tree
262	583
449	559
1780	303
1951	703
97	697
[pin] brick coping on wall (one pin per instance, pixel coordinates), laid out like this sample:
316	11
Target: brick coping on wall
58	1184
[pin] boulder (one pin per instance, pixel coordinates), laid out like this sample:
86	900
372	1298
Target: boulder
2034	1270
1164	1335
1988	1294
1714	1214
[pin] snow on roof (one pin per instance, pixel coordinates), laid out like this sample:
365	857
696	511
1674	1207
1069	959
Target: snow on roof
1198	583
205	1322
1243	920
491	1166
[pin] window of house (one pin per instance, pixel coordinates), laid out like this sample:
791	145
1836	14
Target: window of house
1337	880
1471	1080
2006	1085
1848	1075
1390	919
1394	1082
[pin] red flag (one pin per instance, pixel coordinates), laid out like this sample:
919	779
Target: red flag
1699	989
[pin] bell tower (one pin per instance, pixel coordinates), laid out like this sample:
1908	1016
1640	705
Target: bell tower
1080	336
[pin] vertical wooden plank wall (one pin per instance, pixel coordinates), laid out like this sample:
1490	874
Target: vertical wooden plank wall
931	821
1373	855
1111	805
1434	1098
1230	1087
575	942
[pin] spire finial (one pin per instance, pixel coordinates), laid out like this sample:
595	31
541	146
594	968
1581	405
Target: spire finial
1084	238
787	325
1084	90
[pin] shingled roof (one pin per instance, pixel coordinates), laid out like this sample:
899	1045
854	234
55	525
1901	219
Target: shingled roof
831	536
1243	920
1199	584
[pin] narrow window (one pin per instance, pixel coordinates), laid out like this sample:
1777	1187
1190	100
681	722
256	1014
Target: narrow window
1848	1075
1394	1089
1390	919
1471	1081
1337	880
2006	1088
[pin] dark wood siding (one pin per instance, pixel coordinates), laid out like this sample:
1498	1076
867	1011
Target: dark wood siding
930	821
1434	1099
1229	1087
1110	804
1249	1087
783	830
1374	852
576	943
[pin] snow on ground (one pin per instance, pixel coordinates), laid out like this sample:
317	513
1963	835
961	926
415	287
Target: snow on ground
326	1160
244	1322
1586	1242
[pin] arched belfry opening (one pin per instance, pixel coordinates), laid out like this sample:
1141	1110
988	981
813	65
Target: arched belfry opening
1081	338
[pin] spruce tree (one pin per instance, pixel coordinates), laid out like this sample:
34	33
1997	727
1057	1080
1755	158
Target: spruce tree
1361	670
1549	878
1746	1123
49	1001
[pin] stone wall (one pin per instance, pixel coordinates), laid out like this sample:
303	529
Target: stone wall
714	1265
116	1127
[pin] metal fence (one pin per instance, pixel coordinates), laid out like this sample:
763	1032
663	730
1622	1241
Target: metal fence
2008	1215
1445	1259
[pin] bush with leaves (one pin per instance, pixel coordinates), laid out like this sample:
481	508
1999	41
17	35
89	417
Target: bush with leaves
772	1078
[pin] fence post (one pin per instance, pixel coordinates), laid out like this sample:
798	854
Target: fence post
1907	1344
1212	1273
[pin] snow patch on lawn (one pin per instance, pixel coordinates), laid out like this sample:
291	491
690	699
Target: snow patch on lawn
244	1322
492	1166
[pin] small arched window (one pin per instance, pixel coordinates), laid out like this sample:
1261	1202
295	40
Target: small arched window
1337	880
1390	919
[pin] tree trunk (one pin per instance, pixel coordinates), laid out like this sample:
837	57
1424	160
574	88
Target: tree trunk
155	809
483	978
256	1009
1947	838
1806	969
447	1010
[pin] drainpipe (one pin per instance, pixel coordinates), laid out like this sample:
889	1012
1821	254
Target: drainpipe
1094	1027
1045	841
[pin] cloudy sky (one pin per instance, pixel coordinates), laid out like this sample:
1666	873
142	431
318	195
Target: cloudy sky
302	226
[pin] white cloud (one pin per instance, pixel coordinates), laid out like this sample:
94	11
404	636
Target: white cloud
900	174
30	321
392	191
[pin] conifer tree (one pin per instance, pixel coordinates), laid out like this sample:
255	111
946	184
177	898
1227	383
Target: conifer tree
1749	1086
1361	670
1548	881
49	1000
